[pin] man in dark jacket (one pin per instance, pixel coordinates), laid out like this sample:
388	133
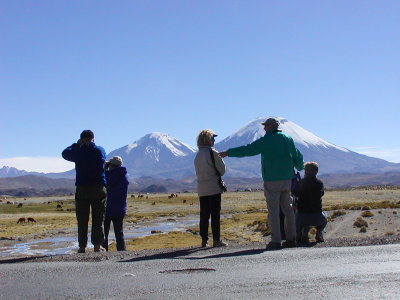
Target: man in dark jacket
309	191
90	188
117	190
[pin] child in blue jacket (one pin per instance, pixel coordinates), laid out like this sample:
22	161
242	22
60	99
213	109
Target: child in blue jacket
117	190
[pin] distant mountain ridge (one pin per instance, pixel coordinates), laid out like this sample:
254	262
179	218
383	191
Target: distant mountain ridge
9	172
31	185
6	171
34	185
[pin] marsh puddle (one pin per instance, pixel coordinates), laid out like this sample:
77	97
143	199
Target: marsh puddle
68	243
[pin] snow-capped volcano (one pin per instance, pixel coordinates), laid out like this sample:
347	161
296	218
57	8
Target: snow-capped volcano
155	154
254	130
331	158
158	146
304	137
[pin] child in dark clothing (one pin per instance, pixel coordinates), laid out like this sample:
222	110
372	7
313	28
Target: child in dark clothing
309	191
117	190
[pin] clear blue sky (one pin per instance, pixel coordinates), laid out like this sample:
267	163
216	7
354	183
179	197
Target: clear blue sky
128	68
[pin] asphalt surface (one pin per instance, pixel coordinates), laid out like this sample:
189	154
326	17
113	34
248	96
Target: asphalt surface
364	272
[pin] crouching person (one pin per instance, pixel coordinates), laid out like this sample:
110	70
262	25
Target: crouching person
117	190
309	191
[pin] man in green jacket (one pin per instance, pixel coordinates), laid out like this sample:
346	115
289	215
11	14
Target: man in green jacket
278	157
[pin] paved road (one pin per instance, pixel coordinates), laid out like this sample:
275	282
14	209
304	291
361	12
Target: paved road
367	272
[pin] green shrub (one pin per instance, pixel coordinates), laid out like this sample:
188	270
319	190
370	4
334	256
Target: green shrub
363	229
360	222
336	214
355	208
367	214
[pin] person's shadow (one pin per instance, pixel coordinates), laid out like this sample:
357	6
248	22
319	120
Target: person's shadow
184	252
246	252
165	255
21	259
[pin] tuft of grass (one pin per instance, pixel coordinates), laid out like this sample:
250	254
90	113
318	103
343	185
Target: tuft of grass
363	229
366	207
360	222
367	214
336	214
261	226
355	208
389	233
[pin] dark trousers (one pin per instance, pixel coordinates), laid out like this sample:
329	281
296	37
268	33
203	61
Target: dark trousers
210	205
118	223
305	220
94	197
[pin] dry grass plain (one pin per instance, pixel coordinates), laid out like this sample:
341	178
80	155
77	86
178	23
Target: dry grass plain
243	214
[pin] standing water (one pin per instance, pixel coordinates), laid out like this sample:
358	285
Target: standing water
65	244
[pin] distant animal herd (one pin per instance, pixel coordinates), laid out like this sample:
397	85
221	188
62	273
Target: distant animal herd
60	204
30	219
23	220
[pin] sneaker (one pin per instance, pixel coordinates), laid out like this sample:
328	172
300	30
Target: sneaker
81	250
289	244
99	248
273	246
204	244
319	237
219	244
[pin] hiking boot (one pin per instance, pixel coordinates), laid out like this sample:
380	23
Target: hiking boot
81	250
204	244
219	244
99	248
319	237
289	244
273	246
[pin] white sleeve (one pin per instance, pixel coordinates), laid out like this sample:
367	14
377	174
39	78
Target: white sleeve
219	163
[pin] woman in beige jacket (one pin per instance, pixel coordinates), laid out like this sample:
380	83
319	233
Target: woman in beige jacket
208	188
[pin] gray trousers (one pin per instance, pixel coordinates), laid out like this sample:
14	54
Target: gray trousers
277	195
86	198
